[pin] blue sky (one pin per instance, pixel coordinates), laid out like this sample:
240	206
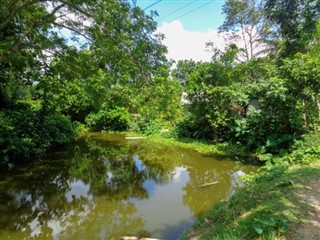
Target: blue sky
194	15
187	26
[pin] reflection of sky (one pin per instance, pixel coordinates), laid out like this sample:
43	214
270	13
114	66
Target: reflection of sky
179	174
150	186
139	165
57	224
77	190
163	208
168	208
235	181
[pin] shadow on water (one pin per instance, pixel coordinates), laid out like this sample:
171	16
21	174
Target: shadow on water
105	187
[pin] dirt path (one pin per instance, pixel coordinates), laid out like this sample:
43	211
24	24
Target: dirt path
310	227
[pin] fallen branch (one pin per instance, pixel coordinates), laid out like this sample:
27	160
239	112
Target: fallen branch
208	184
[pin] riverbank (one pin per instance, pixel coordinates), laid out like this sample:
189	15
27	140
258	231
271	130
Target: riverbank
276	204
206	148
281	201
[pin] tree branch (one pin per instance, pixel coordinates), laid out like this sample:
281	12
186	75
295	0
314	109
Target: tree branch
73	30
77	8
19	5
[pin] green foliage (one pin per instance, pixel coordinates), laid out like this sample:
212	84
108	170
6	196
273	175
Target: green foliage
160	100
266	208
108	71
81	129
263	105
152	127
57	129
184	69
191	128
118	119
210	96
304	151
25	132
296	21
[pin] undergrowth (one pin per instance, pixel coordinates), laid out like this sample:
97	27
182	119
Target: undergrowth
204	147
265	209
268	206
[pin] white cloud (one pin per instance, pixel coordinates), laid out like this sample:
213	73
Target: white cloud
183	44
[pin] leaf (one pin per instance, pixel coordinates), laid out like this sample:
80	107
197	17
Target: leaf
269	165
257	227
267	222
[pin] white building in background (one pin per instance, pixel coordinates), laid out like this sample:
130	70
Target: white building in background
184	99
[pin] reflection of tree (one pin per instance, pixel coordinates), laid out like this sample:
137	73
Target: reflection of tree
201	198
108	219
109	170
33	198
160	161
42	201
209	194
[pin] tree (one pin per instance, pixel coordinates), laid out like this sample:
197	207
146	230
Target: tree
296	21
115	59
302	76
244	21
184	69
207	92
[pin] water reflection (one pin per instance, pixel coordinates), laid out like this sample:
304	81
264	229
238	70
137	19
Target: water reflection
105	187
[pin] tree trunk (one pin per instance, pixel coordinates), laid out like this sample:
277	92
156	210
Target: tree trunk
318	106
304	116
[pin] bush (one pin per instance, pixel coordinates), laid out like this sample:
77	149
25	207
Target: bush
188	128
81	129
7	139
25	132
118	119
151	127
58	129
305	151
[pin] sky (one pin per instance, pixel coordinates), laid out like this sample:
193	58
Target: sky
187	25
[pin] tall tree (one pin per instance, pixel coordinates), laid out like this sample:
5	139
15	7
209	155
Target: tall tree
184	70
115	57
244	22
296	21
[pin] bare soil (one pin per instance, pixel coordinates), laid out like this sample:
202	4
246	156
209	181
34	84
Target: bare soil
309	229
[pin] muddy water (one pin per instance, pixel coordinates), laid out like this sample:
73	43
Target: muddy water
105	187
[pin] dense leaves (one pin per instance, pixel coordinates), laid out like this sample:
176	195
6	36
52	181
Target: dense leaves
65	62
296	21
264	104
27	132
99	63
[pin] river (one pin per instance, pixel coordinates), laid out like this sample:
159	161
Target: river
104	187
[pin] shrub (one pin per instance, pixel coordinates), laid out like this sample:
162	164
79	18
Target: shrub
25	132
81	129
189	128
304	151
152	127
58	129
118	119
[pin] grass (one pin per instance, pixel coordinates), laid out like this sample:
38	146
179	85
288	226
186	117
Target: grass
265	209
204	147
268	208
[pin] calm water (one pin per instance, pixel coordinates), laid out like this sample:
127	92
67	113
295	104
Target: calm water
105	187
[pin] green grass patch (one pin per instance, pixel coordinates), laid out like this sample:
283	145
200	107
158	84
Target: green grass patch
207	148
265	209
